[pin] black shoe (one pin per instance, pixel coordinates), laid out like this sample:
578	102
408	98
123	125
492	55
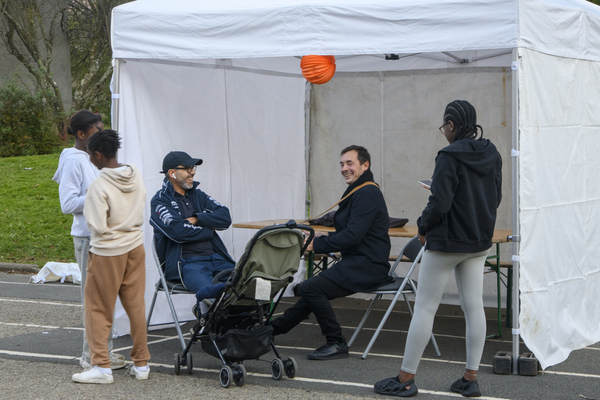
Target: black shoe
329	351
393	387
467	389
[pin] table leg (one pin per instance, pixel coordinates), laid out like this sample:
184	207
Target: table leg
509	285
311	264
496	268
498	287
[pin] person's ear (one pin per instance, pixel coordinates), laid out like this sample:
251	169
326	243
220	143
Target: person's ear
451	126
81	134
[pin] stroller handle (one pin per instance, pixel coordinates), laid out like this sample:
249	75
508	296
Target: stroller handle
293	225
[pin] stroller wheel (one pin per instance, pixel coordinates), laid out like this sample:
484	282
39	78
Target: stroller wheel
177	363
225	376
239	376
190	364
277	369
290	366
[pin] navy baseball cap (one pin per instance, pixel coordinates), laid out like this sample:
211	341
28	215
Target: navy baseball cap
177	158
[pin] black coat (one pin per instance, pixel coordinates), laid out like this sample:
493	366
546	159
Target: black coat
466	189
361	236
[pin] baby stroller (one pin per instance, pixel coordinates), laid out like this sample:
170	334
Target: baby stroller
237	327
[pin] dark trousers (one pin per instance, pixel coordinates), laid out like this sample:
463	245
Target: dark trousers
198	274
315	295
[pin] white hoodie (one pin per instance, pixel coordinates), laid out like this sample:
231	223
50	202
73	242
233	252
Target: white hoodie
114	210
74	174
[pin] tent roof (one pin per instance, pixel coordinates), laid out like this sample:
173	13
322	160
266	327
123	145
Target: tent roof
233	29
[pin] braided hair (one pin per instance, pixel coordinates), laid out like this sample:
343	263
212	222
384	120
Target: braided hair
105	142
464	117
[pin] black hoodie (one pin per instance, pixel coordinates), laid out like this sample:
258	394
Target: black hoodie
466	190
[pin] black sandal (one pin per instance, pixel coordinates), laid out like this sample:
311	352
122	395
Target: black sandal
467	389
393	387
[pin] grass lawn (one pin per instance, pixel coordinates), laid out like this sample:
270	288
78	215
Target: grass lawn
33	230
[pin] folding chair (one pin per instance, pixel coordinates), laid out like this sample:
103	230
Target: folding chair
172	288
401	286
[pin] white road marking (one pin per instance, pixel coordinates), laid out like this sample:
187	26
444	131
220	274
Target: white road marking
74	285
216	371
30	325
50	303
571	374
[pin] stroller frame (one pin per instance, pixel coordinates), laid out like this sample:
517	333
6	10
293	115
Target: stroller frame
209	331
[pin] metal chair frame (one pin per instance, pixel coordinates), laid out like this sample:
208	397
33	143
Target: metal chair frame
169	288
413	251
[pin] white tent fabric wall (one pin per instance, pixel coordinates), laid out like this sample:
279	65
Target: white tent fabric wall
560	205
248	129
235	30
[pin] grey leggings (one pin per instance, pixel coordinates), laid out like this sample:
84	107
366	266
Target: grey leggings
433	276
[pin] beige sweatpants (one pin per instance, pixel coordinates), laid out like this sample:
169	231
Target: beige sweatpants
107	277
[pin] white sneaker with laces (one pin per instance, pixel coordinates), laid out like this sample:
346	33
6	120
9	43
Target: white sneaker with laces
93	375
139	374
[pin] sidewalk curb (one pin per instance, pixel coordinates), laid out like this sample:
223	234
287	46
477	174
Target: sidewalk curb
13	267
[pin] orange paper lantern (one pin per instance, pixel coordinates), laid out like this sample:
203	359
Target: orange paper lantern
318	69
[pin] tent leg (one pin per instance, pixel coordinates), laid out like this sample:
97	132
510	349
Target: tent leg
307	105
116	91
516	206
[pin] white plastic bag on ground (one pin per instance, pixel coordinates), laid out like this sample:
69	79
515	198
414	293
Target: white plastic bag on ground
56	271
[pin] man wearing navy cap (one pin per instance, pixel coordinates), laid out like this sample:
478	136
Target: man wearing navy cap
185	221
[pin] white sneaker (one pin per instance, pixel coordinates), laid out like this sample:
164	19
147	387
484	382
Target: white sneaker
117	361
139	374
93	375
85	365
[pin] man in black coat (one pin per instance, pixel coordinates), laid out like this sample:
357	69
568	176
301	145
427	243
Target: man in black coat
361	236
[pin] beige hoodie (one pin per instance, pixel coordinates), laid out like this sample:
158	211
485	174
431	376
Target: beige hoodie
114	211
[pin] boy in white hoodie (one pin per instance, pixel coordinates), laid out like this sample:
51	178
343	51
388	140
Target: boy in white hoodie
74	174
114	211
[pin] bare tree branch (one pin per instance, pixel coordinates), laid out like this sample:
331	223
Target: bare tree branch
28	29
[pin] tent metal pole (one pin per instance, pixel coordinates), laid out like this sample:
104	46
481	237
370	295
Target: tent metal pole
516	238
116	94
307	103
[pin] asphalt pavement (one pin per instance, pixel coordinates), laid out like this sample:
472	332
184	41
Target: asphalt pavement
40	340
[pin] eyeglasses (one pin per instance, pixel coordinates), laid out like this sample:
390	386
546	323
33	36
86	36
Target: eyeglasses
440	128
188	169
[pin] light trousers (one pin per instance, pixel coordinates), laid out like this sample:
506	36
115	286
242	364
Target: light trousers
434	273
107	278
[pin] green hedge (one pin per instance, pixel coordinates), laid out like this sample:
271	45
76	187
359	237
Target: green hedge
25	123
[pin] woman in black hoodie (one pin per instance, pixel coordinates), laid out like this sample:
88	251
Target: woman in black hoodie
456	227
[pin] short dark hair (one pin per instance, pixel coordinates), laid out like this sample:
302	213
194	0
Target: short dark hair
82	120
106	142
363	154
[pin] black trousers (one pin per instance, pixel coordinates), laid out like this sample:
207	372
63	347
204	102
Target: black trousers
315	295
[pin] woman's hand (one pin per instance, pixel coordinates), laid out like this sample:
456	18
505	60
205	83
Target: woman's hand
421	239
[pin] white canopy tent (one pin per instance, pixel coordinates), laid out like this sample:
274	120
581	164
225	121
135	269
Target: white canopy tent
222	81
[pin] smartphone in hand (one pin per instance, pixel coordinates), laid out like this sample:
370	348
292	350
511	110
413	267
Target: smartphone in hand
426	183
